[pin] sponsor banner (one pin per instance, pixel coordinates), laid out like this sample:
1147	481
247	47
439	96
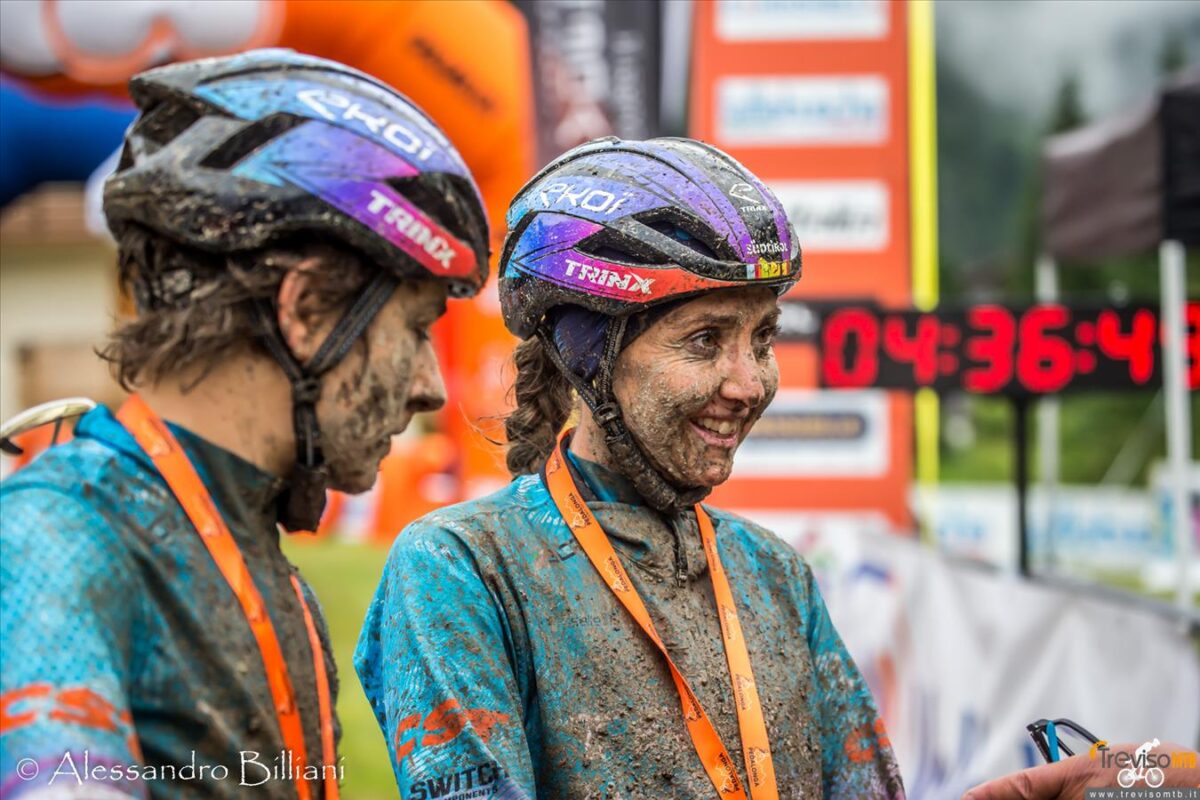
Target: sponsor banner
822	434
1163	576
837	216
814	97
830	110
1080	530
751	20
960	659
596	70
1161	484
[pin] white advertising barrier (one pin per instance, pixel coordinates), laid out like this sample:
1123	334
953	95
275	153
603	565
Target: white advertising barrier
961	659
1079	529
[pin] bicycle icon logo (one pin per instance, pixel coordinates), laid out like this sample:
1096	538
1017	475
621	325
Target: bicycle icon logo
1138	771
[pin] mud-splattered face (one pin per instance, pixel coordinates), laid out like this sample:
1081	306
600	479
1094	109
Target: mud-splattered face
693	385
372	394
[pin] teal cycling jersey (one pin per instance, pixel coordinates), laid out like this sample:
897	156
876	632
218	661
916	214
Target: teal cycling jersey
500	665
129	668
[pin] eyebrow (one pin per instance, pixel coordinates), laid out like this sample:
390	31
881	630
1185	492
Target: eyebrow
719	320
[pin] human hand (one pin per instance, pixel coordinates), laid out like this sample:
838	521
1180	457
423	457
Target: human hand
1067	779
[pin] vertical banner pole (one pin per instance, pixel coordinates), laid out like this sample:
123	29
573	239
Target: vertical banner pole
1179	424
1020	405
924	209
1049	411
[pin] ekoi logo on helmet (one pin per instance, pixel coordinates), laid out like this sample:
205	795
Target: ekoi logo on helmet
337	107
580	195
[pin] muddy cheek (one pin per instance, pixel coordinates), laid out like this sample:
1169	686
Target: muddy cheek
770	381
769	375
368	407
710	467
662	396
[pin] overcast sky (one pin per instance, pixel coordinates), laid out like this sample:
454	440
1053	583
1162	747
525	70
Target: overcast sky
1017	50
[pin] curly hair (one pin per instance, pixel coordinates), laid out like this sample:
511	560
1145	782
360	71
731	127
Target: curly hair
196	308
544	401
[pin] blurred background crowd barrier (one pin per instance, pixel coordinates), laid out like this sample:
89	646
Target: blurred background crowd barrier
984	440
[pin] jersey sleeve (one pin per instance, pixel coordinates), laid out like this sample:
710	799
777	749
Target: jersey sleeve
67	619
856	755
434	659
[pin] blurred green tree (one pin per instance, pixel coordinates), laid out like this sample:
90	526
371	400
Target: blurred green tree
1173	55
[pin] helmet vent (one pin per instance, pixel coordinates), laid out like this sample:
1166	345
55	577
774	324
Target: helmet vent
165	122
610	246
686	230
680	235
249	139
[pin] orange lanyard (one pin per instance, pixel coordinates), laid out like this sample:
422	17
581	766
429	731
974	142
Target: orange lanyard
172	462
756	747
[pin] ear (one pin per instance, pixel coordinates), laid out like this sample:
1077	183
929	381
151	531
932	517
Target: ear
299	330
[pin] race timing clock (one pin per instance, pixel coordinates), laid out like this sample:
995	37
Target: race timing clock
996	349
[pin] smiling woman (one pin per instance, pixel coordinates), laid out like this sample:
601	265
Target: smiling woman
609	635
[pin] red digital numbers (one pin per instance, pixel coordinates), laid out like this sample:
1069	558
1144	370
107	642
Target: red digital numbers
1045	362
920	350
993	348
1193	344
1135	346
842	326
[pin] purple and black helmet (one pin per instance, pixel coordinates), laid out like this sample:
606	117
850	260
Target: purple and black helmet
235	153
619	226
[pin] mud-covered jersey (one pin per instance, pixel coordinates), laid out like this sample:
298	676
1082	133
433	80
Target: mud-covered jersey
128	665
500	665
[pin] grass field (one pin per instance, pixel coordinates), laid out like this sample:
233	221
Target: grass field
344	577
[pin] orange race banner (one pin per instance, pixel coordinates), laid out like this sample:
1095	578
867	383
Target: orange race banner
817	99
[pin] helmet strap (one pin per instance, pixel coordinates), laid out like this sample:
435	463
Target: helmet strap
627	454
300	507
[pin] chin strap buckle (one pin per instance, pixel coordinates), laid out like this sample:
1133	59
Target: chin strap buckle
306	390
606	415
